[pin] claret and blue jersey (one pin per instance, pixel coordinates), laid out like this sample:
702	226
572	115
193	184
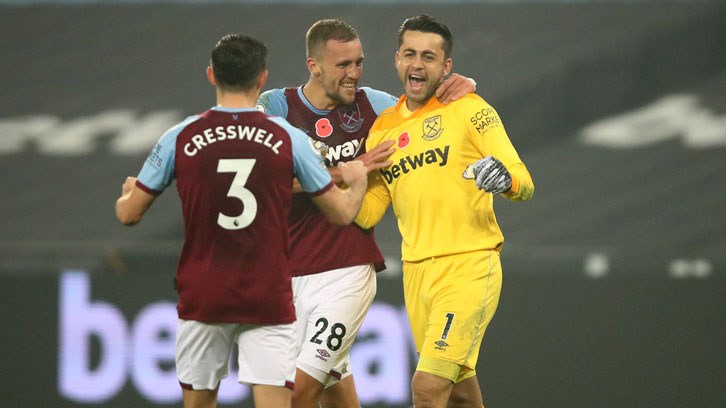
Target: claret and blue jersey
332	127
318	246
234	170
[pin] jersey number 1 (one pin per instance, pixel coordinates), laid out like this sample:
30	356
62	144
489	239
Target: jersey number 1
449	320
242	169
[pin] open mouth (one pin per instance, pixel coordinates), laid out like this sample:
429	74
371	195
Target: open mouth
348	86
416	83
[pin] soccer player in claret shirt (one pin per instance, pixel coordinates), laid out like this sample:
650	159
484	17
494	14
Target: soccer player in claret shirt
234	168
334	267
445	155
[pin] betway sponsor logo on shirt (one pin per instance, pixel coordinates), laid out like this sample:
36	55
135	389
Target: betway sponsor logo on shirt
343	150
414	162
249	133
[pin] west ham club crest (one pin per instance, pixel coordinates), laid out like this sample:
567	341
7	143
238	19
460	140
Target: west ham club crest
350	119
432	128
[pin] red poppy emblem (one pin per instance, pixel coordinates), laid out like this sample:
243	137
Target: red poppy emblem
403	140
323	128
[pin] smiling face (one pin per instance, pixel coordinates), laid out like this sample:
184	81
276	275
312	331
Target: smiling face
421	64
338	69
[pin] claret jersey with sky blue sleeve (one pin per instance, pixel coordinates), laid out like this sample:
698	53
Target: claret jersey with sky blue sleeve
317	245
234	170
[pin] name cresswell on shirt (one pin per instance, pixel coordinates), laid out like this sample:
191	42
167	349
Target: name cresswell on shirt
231	132
411	163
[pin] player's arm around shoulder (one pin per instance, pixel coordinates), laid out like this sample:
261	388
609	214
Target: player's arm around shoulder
454	87
487	133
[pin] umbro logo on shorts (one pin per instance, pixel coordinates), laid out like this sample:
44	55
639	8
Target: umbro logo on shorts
440	345
323	354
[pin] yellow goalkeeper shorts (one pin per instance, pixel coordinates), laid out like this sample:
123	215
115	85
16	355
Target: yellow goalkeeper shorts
450	301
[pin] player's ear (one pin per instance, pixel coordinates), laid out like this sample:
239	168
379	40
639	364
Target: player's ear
262	79
313	67
210	76
395	59
447	66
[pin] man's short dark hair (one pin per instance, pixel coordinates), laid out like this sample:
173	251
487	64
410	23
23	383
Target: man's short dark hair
428	24
324	30
237	62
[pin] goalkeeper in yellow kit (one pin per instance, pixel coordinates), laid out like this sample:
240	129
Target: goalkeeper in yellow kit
445	155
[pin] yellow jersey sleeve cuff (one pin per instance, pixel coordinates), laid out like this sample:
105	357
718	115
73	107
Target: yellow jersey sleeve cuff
515	184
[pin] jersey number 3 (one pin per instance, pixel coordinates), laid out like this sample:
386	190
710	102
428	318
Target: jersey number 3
241	169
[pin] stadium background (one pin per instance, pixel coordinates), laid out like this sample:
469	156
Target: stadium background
614	272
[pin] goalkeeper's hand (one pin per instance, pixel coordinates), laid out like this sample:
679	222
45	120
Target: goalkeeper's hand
491	175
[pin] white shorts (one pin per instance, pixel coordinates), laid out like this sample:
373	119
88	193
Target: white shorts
330	308
266	353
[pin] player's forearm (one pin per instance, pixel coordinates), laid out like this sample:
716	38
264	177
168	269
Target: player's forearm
334	174
522	185
124	213
133	203
341	206
354	176
354	195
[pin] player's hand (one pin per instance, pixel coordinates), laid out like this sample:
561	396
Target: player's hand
354	173
376	158
128	185
491	175
454	88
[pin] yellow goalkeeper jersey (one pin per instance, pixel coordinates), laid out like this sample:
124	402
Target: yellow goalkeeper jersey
439	209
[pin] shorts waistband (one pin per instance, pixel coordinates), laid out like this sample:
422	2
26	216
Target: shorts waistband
449	256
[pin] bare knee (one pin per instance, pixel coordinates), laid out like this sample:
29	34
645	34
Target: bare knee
305	397
460	400
200	398
429	390
307	390
271	396
466	394
340	395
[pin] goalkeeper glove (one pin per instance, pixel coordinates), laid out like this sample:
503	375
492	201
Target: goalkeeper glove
491	175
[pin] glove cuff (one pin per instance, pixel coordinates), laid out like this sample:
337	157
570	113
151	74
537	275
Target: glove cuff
515	184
